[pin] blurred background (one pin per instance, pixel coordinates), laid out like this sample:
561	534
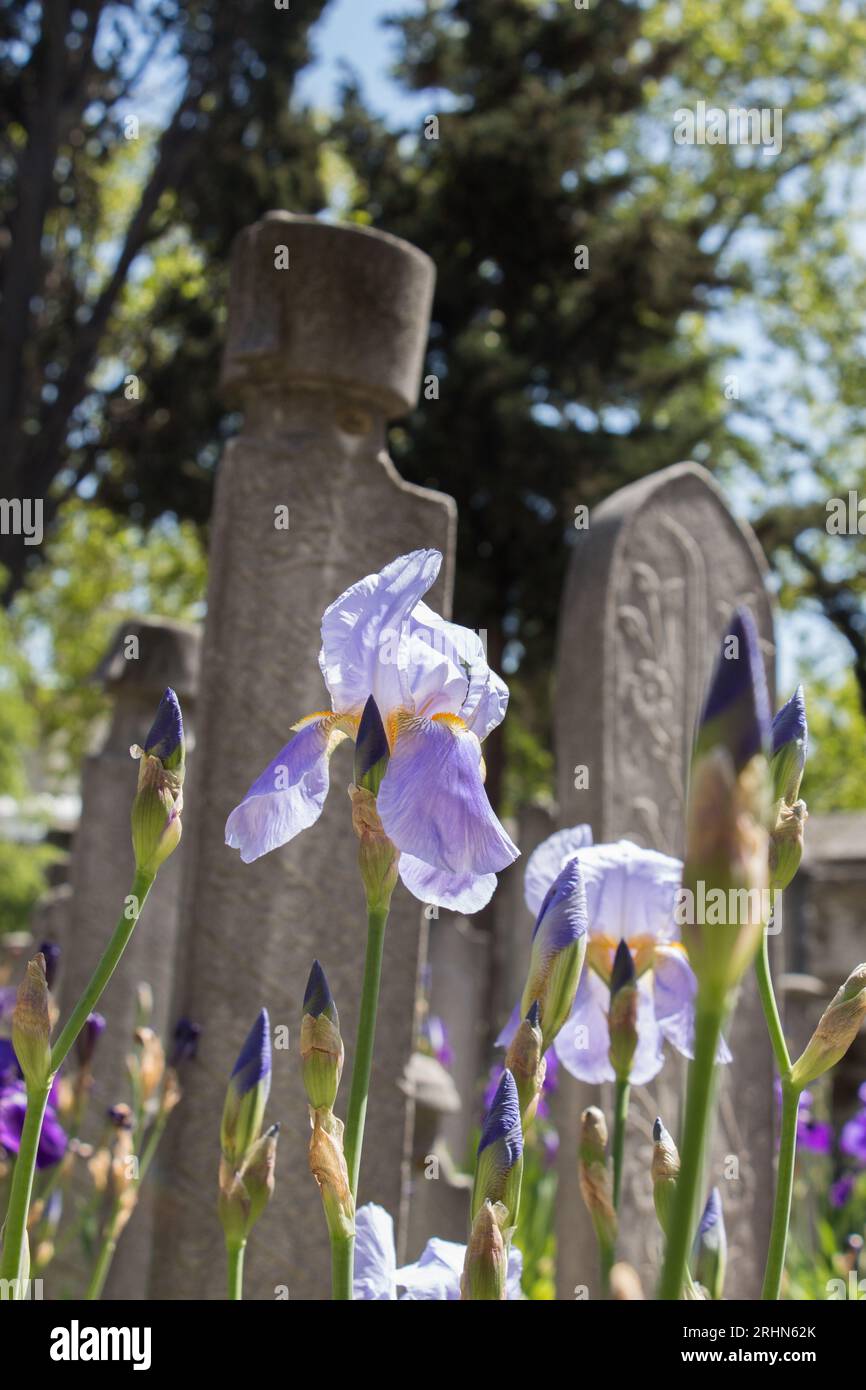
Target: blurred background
720	317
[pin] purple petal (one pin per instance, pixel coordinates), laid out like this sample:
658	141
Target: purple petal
737	710
675	988
789	725
166	731
365	634
433	804
449	673
375	1254
464	893
547	861
290	793
583	1043
630	892
254	1060
52	1140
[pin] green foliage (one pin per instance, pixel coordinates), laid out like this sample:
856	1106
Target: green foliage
22	882
835	777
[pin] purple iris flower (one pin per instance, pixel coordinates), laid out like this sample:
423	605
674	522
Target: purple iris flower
85	1043
630	896
436	1034
435	1276
186	1037
52	1140
841	1190
51	953
438	700
852	1140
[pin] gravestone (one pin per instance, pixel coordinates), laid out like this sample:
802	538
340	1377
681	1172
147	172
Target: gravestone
145	656
650	590
326	333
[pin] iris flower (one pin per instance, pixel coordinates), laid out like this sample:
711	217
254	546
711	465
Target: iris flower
630	896
438	700
435	1276
52	1139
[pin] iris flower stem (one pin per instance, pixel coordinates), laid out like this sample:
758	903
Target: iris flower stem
620	1116
141	886
13	1267
770	1007
699	1103
103	1262
25	1164
235	1253
784	1188
342	1261
359	1090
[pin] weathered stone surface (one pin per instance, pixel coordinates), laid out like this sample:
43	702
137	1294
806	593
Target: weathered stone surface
650	589
319	355
101	874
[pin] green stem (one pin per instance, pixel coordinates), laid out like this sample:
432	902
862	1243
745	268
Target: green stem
620	1116
699	1101
770	1007
103	1264
236	1270
359	1090
784	1188
141	886
13	1266
342	1260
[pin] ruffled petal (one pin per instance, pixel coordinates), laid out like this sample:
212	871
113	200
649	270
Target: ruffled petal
630	892
365	634
436	1275
583	1043
290	793
375	1254
546	862
432	801
675	988
449	673
465	893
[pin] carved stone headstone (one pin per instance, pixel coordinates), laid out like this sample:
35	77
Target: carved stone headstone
649	593
144	657
326	335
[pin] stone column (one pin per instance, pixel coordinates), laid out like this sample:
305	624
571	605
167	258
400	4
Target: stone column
650	589
145	656
326	334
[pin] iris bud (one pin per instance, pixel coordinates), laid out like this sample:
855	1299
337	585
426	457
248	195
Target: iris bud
558	951
247	1094
790	744
622	1017
665	1170
499	1164
257	1174
837	1028
727	846
321	1046
525	1060
596	1186
85	1043
158	802
711	1247
31	1025
485	1269
371	749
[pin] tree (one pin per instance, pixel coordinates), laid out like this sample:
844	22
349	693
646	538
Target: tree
583	257
96	190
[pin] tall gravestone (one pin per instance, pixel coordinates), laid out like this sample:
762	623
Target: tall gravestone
144	657
650	590
326	334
